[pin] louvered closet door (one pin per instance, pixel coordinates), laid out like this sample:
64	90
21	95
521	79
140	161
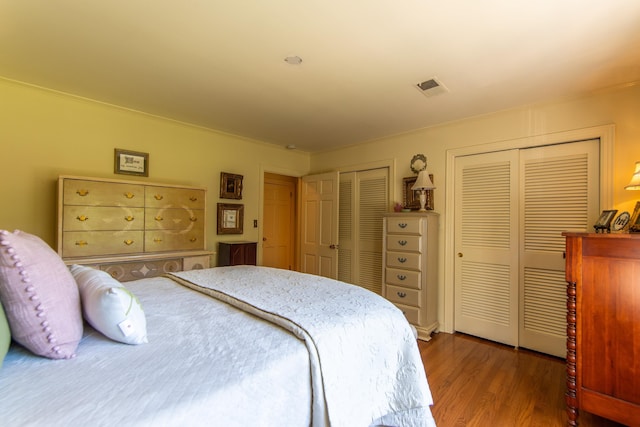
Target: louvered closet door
559	184
363	201
486	240
346	230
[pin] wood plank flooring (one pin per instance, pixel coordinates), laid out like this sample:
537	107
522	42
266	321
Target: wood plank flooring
475	382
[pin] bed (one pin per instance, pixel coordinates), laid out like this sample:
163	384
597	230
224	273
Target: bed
232	346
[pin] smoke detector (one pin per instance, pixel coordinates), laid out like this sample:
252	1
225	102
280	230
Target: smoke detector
431	87
293	60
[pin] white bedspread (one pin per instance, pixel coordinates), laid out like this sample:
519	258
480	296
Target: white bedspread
366	368
206	364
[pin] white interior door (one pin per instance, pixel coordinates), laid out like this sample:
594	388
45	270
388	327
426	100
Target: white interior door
486	242
319	225
560	192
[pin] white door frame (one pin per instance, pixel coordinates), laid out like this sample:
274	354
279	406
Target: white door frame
605	133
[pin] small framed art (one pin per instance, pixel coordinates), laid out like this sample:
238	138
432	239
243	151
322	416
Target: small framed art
230	218
411	198
619	225
130	162
604	222
634	222
230	186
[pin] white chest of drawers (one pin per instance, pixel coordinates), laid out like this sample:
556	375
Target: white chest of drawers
410	263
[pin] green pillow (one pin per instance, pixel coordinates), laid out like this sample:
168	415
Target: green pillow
5	335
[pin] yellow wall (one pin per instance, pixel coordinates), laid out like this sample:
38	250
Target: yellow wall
617	106
44	134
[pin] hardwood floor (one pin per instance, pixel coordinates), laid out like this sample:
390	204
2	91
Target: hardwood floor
475	382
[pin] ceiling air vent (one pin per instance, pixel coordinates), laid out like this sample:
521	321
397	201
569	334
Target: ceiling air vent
431	87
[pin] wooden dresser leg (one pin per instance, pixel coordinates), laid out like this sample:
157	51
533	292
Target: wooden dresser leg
570	395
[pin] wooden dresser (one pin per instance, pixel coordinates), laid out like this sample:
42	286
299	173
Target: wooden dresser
131	229
410	267
603	326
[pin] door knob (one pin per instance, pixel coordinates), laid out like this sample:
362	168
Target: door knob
459	254
264	239
333	246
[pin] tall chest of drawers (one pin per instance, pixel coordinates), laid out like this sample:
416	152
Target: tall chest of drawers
131	229
409	277
603	326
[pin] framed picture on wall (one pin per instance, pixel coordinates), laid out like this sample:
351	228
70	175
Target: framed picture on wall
230	186
130	162
230	218
411	198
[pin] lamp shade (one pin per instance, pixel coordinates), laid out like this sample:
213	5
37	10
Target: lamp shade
423	182
635	179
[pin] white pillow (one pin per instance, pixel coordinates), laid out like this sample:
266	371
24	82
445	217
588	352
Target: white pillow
109	307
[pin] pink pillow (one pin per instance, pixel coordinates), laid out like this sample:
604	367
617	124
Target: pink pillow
39	295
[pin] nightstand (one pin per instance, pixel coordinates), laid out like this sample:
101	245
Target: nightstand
237	253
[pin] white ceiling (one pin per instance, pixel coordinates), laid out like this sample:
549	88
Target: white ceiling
220	64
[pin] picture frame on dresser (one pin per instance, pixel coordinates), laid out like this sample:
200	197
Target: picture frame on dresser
230	218
411	198
128	162
634	222
604	222
230	186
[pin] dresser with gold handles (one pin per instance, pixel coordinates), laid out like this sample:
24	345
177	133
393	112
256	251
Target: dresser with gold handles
131	229
410	270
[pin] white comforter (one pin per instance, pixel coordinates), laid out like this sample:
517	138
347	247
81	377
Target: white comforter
366	368
206	364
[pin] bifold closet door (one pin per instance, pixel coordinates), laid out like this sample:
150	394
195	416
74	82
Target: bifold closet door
560	192
363	202
510	210
486	241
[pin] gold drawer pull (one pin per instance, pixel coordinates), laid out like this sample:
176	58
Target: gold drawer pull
128	218
128	242
402	225
158	218
129	195
82	193
158	197
193	239
157	240
402	259
193	219
81	243
193	199
401	277
82	218
402	242
401	294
